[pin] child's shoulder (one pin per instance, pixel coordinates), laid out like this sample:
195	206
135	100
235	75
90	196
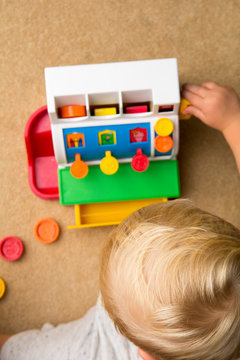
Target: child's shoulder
93	337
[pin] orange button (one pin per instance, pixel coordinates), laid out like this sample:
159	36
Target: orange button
163	144
47	230
71	111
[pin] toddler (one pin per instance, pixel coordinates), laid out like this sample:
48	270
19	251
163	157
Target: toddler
169	279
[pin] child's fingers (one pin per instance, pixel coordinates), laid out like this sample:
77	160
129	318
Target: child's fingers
210	85
194	99
195	89
195	112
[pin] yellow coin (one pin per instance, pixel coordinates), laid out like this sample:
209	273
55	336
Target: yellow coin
164	127
109	164
2	288
183	105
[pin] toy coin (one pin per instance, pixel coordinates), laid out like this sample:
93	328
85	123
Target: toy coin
47	230
11	248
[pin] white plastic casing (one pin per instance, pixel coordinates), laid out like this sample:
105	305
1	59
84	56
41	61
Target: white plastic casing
154	81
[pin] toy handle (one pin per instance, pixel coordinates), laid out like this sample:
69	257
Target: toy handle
140	161
79	168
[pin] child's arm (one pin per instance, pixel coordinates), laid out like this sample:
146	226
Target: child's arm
219	107
3	339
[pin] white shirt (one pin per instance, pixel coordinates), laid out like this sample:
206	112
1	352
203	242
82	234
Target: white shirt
93	337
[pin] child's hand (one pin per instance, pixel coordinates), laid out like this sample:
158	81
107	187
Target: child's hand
217	106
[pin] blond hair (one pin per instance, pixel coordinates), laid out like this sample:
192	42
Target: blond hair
170	280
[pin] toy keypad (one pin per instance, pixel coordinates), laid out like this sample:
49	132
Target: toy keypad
47	230
109	164
140	161
163	144
164	127
11	248
79	168
2	288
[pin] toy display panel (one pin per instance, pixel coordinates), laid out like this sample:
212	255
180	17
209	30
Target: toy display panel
92	142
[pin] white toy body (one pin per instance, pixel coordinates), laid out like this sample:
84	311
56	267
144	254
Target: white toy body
152	82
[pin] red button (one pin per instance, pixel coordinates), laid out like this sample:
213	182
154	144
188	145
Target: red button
140	161
11	248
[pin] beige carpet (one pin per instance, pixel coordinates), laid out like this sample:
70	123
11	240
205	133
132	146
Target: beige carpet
59	282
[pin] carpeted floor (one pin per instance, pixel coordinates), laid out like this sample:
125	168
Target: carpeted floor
59	282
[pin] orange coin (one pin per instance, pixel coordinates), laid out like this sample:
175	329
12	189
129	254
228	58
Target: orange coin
70	111
163	144
47	230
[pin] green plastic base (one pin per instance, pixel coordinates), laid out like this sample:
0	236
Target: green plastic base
160	180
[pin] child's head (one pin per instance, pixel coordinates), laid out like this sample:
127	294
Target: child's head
170	280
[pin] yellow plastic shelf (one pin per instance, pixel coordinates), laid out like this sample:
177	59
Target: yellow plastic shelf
105	214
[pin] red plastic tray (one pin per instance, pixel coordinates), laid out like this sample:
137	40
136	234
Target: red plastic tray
42	165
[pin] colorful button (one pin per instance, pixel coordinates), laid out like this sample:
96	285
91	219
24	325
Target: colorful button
140	161
109	164
105	111
11	248
2	288
163	144
164	127
136	109
71	111
79	168
47	230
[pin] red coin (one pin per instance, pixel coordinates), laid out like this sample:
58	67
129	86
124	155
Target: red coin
11	248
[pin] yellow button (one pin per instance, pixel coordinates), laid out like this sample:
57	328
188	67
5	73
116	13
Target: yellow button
109	164
164	127
2	288
105	111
